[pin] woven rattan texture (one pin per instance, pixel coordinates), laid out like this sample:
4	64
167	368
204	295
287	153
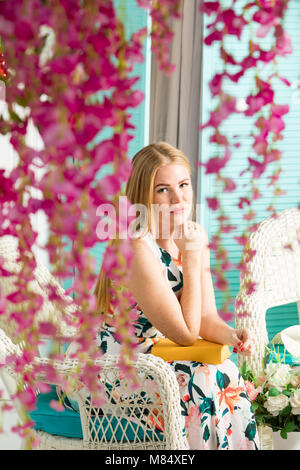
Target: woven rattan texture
50	311
154	400
275	269
155	397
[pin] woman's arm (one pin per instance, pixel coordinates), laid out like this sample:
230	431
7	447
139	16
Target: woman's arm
191	295
178	321
212	327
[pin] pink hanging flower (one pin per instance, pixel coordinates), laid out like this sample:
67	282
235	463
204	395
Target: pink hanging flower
215	164
3	302
209	7
234	24
212	37
216	83
242	240
263	97
27	397
258	167
243	200
56	405
213	203
250	215
225	315
279	110
230	185
283	44
251	287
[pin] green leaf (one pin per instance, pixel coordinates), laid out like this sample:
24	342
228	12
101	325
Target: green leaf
254	406
183	368
251	430
286	392
206	433
184	406
273	392
198	390
207	406
283	434
285	411
203	419
222	380
290	426
190	389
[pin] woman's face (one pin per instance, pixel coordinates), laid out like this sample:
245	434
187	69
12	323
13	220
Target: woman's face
173	194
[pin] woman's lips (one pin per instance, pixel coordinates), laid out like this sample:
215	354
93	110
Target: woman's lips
178	211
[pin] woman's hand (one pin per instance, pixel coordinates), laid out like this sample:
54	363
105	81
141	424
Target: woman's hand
190	237
243	341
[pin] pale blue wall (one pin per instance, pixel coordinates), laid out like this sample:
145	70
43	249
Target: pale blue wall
134	19
289	67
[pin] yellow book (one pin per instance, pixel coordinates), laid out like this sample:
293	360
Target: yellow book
201	351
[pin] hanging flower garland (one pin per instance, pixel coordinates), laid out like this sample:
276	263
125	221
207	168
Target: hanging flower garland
90	55
268	15
60	54
161	32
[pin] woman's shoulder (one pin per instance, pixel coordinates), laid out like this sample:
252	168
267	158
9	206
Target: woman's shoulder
144	241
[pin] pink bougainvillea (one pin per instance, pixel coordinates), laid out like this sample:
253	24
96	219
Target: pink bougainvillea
267	17
162	34
70	66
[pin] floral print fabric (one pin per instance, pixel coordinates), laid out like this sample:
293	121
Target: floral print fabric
216	407
214	402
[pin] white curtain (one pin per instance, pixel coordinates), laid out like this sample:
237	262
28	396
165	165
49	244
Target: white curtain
175	101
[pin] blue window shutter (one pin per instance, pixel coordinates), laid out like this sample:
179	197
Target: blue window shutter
134	18
278	318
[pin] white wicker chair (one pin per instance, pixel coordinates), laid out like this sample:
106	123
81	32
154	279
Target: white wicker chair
275	268
124	412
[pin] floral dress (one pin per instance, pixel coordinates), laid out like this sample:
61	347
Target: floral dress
214	402
215	406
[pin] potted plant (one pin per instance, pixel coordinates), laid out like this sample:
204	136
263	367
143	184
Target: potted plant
275	398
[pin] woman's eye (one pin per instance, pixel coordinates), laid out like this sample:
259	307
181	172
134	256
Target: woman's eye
182	185
161	190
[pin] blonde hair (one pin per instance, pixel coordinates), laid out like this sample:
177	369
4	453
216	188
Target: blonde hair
139	190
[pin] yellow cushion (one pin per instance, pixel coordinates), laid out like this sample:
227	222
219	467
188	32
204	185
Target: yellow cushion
200	351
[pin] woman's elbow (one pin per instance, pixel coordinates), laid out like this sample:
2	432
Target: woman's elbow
188	340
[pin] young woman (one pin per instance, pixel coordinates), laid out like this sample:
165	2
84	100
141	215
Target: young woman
172	285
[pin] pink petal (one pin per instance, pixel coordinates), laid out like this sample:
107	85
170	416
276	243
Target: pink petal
56	405
214	36
213	203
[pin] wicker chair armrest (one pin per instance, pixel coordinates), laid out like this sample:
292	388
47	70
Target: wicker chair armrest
250	312
135	403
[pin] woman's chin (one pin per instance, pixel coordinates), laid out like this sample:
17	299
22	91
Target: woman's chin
180	218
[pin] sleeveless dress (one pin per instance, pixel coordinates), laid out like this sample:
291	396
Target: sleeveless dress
216	409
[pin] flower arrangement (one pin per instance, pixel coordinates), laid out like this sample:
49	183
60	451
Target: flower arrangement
275	396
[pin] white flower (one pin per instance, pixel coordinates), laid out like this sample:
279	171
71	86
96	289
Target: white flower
295	402
275	404
278	375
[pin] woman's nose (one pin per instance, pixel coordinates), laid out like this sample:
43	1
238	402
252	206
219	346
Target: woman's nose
175	197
